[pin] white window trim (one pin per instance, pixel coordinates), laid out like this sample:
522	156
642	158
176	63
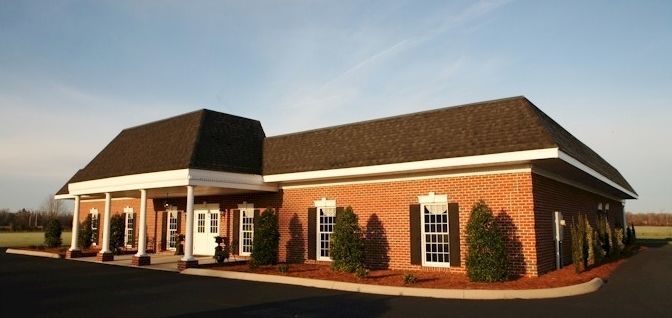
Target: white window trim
244	208
128	214
431	199
322	203
94	211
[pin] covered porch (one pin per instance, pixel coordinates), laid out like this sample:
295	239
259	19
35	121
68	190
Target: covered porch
182	187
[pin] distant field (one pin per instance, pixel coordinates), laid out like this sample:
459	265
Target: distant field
17	239
653	232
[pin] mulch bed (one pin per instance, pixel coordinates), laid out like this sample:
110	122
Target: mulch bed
563	277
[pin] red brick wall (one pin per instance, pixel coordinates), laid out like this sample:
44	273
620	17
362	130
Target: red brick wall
383	211
551	196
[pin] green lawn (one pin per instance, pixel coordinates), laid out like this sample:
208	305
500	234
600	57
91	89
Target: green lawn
19	239
653	232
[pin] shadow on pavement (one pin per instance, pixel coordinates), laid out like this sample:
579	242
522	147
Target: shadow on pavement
655	242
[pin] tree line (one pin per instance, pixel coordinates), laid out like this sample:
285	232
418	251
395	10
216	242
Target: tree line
36	219
650	219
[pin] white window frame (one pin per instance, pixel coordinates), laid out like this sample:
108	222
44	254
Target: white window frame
433	201
246	212
129	231
95	217
329	207
170	233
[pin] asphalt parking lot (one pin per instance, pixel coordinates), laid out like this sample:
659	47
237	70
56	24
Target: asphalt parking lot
40	287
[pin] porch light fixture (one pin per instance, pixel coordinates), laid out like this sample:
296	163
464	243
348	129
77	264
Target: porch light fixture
165	202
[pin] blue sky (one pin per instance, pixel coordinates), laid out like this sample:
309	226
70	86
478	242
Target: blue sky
75	73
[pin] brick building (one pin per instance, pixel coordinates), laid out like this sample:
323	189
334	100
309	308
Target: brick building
411	179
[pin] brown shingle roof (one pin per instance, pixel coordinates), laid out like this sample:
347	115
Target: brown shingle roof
211	140
505	125
202	139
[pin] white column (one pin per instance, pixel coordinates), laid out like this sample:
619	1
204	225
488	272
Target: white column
106	224
142	239
189	235
75	226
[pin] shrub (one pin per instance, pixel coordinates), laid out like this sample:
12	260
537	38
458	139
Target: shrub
266	239
52	233
577	231
347	244
591	242
85	235
283	268
486	259
409	279
361	272
618	242
117	229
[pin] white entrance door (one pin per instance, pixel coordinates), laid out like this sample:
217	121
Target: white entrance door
206	227
171	229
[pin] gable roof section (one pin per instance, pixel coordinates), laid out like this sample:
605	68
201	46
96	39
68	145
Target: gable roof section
202	139
491	127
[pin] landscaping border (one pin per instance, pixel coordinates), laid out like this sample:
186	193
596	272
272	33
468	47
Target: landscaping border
482	294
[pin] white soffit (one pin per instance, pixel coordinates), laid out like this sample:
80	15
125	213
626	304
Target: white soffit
418	166
577	164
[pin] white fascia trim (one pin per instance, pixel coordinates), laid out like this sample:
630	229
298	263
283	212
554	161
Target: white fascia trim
570	160
418	166
172	178
64	197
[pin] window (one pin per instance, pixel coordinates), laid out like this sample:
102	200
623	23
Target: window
214	223
326	219
435	230
172	228
246	228
201	223
129	231
94	226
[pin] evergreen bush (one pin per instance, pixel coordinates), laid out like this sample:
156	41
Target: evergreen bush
266	239
85	235
486	259
117	232
52	233
578	241
347	244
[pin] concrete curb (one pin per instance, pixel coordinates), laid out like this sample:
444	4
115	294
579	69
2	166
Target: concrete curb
566	291
32	253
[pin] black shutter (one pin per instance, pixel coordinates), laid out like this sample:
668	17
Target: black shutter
312	234
415	230
235	231
454	233
164	229
179	223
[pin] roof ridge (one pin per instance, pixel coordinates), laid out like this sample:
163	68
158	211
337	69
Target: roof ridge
538	114
400	116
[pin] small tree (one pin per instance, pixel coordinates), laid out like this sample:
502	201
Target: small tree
52	233
85	233
117	229
347	246
266	239
486	259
